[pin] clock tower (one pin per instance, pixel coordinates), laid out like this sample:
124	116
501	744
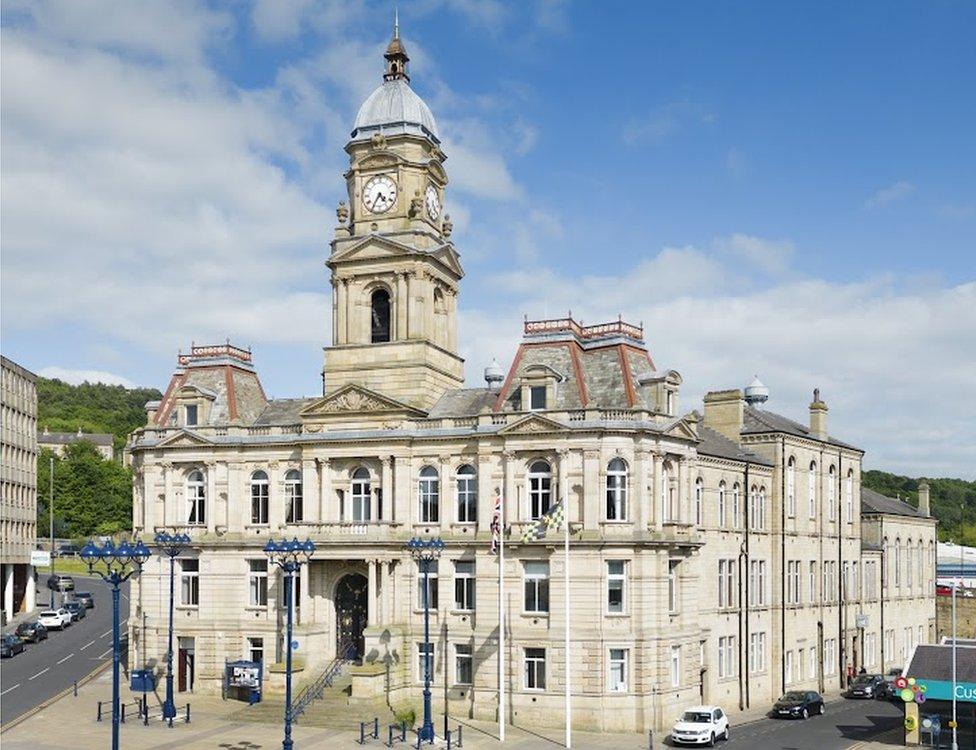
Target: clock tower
395	272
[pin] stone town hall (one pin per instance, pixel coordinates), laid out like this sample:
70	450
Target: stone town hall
720	556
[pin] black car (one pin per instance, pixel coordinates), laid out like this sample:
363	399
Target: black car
31	632
67	550
57	582
77	610
86	598
11	645
798	704
866	686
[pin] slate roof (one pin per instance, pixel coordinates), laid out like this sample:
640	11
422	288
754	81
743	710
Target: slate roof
715	444
935	663
463	402
875	502
756	421
282	411
64	438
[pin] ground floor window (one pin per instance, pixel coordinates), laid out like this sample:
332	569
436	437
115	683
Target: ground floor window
535	669
618	670
813	663
675	666
757	652
726	656
255	649
463	664
425	661
788	667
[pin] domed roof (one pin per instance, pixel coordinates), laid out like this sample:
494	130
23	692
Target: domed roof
756	392
393	109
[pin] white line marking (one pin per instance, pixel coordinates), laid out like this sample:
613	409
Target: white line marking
90	643
108	632
105	654
61	661
10	688
39	673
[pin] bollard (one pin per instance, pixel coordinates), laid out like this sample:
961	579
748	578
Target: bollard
99	718
170	722
403	732
76	688
650	739
448	739
362	733
123	714
459	743
376	727
145	716
389	733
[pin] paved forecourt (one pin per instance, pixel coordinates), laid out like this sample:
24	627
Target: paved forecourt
47	668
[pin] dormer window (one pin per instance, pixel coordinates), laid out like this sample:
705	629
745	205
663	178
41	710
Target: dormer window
537	397
190	415
538	387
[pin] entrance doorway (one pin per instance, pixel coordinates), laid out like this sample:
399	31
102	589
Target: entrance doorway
351	612
185	665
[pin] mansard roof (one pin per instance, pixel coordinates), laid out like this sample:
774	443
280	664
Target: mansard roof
875	502
758	421
717	445
463	402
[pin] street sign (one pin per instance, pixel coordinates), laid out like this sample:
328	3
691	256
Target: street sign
40	558
861	621
294	645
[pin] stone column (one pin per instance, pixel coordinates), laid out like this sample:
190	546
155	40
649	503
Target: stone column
276	496
310	491
402	298
305	600
683	513
8	590
30	596
371	613
211	501
448	512
452	343
427	289
326	513
562	479
593	511
169	513
637	491
656	508
510	502
384	594
335	311
403	496
486	493
342	316
386	485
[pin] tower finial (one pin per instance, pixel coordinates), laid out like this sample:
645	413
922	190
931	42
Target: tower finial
396	54
396	21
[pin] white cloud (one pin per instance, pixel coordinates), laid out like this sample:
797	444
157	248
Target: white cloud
765	256
665	121
77	377
884	196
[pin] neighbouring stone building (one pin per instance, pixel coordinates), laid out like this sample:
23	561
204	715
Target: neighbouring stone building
18	486
721	556
58	442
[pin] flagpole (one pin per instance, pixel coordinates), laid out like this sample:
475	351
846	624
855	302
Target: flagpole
569	720
501	617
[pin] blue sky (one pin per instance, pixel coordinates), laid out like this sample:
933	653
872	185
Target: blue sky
780	189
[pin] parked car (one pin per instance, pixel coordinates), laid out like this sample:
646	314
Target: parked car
887	689
942	590
31	632
797	704
67	550
57	582
55	618
865	686
11	645
86	598
701	725
77	610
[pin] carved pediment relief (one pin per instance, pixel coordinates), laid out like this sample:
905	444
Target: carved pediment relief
356	403
185	439
379	160
437	171
193	391
531	424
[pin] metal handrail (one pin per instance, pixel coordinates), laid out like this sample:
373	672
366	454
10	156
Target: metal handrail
314	691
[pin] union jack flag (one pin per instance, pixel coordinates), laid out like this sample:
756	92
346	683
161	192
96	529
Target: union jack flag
496	524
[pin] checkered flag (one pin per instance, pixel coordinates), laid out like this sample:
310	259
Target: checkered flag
552	520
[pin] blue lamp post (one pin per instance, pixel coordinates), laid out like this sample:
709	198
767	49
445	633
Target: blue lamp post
289	556
170	545
425	551
115	565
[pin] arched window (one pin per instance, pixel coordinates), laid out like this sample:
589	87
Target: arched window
722	510
909	564
812	490
360	493
260	488
735	506
791	487
849	495
196	499
831	493
617	490
897	556
379	307
429	493
699	499
540	489
294	511
467	494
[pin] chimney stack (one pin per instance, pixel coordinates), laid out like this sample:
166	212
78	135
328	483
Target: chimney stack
818	416
724	412
923	498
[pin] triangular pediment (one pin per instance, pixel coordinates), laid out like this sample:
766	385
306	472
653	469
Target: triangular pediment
380	247
685	428
447	255
184	439
531	424
353	400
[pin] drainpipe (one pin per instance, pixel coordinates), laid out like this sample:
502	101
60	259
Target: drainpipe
821	520
745	643
884	580
841	588
782	562
743	565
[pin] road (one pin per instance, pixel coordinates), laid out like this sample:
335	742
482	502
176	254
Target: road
845	723
48	667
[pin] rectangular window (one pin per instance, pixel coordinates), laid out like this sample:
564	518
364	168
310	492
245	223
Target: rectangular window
726	583
536	586
757	652
788	667
800	653
726	656
191	415
425	661
830	656
721	507
616	581
673	586
258	582
467	497
870	648
618	670
259	502
464	585
463	664
757	582
431	585
535	669
537	397
255	649
675	666
831	496
190	583
812	663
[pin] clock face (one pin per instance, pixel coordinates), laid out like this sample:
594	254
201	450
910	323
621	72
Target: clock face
433	201
379	194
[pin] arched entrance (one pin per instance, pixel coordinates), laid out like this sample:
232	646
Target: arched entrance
351	612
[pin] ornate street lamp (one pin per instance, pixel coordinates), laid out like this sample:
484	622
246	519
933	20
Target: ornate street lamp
170	545
115	566
289	556
425	551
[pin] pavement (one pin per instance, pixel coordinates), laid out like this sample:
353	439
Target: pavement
46	669
70	722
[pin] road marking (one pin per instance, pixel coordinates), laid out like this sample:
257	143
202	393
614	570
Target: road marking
90	643
10	688
39	673
61	661
105	654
